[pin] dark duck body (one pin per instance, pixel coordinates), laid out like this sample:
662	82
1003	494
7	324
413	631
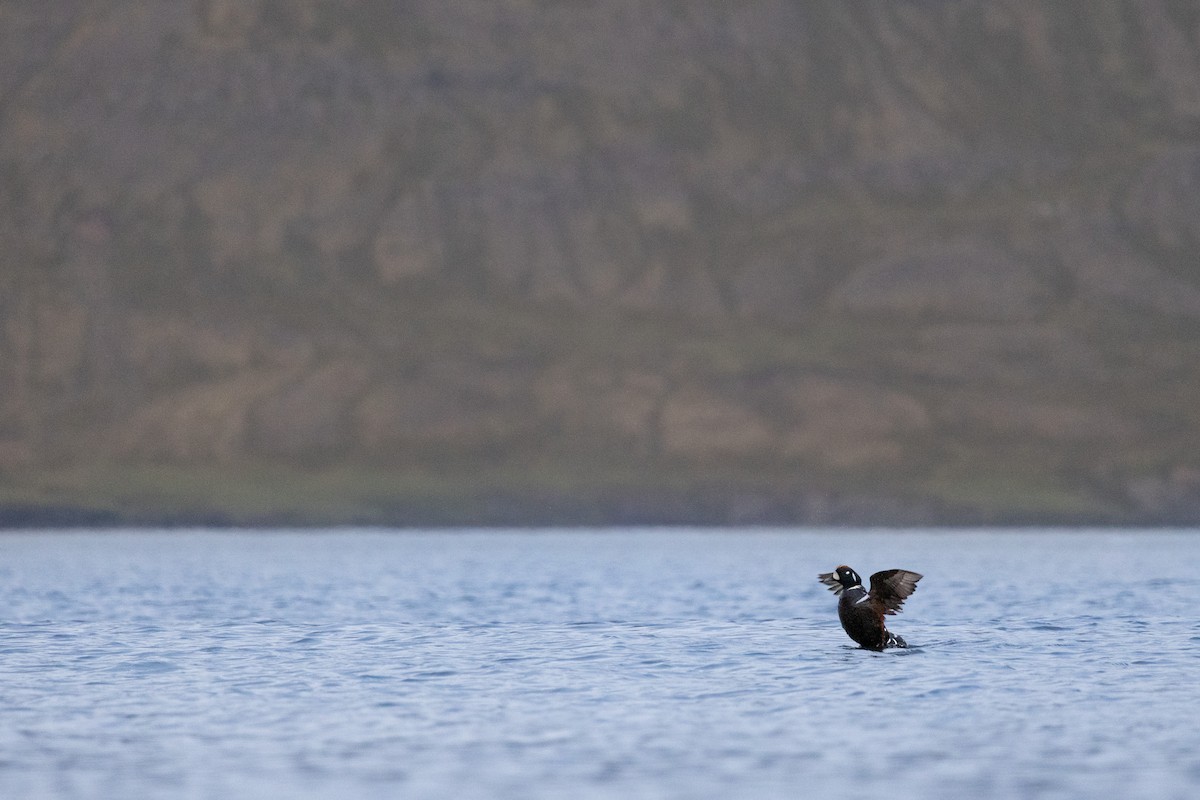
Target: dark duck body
862	611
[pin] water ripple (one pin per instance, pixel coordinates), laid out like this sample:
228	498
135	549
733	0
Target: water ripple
666	664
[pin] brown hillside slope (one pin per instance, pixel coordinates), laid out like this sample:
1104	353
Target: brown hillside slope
534	261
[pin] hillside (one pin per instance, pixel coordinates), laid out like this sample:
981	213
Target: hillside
526	261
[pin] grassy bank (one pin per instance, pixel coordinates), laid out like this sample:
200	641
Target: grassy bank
269	495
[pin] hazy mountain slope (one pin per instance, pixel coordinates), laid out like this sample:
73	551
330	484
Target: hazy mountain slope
585	261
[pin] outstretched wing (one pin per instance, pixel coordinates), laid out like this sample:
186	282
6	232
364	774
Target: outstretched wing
830	579
891	586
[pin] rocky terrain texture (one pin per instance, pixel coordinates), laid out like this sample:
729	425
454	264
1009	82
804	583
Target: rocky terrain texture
539	261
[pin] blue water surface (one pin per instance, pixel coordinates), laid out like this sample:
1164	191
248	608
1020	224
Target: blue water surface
594	664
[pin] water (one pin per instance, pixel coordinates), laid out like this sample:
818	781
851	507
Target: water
598	664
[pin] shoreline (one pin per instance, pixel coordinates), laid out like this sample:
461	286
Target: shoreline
529	513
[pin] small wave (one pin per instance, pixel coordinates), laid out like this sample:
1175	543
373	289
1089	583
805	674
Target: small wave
430	675
541	738
146	667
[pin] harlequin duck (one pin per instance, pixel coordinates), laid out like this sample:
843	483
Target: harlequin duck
862	612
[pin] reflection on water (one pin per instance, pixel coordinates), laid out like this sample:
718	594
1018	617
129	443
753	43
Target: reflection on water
593	665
